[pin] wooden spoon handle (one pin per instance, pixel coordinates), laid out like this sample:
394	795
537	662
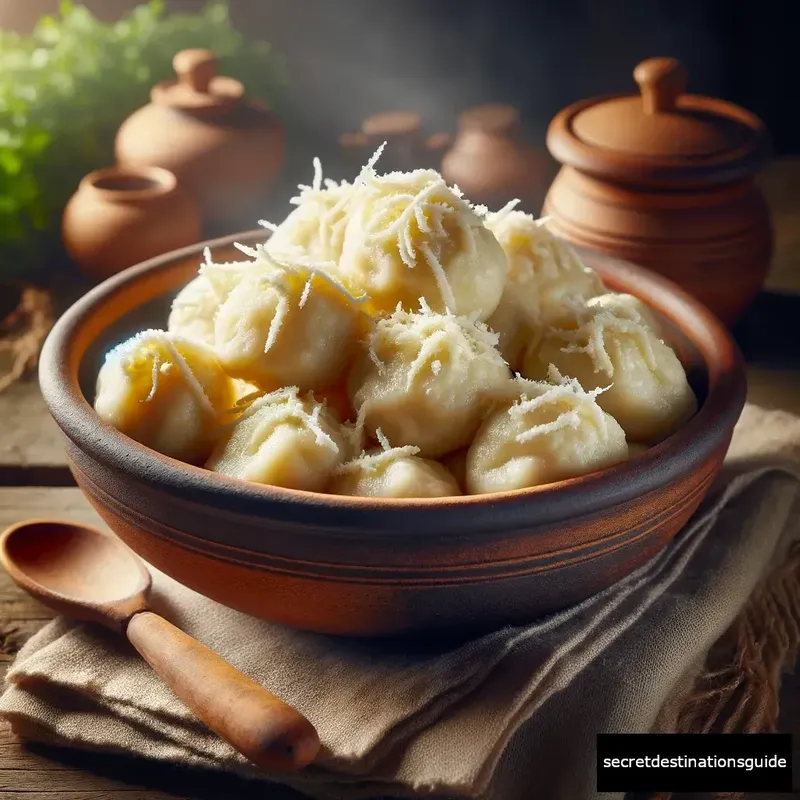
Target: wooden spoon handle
271	734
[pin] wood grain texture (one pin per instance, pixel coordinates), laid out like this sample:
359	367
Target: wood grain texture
38	772
31	447
267	731
33	772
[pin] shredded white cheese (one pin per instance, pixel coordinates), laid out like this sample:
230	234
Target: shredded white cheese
407	211
536	252
494	218
156	345
283	406
370	463
439	340
595	326
574	405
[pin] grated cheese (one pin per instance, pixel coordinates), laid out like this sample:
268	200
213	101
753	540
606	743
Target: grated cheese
302	266
371	462
437	338
142	346
418	231
282	406
581	406
495	218
536	251
590	338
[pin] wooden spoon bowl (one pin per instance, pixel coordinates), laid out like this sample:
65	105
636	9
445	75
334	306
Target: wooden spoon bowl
366	567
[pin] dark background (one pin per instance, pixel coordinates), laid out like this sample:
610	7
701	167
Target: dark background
355	57
351	58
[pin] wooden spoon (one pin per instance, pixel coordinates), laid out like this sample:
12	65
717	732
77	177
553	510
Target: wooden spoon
87	575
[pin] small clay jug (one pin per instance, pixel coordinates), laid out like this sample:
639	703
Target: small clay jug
402	133
223	148
124	215
490	162
666	180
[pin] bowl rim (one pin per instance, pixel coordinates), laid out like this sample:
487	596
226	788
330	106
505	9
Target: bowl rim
689	447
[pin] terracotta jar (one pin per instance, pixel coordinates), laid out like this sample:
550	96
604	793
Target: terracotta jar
402	132
123	216
490	161
666	180
407	147
222	147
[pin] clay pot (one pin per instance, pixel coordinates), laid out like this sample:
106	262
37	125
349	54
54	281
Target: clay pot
666	180
225	149
122	216
402	132
490	161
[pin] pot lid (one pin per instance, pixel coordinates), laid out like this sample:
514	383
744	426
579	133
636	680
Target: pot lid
660	136
198	87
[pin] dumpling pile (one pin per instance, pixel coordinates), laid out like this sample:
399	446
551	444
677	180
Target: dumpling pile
392	340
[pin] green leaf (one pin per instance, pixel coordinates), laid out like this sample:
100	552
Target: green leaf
66	88
10	162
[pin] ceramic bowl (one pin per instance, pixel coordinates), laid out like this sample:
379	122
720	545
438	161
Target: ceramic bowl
366	567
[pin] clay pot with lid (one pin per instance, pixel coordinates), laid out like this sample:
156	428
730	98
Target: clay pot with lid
122	216
665	179
222	147
490	161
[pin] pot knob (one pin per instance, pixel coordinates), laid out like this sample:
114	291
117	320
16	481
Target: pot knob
198	87
661	81
196	69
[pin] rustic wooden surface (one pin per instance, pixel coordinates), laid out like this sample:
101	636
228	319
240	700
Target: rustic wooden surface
34	481
53	774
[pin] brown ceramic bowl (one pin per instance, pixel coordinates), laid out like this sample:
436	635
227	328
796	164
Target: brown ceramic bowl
359	566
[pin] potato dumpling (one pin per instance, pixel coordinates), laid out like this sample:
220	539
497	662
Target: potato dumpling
545	276
282	439
647	389
194	310
316	226
412	236
393	472
288	324
195	307
427	379
628	307
544	272
550	432
166	392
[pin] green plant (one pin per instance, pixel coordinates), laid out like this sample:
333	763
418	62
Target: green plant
67	87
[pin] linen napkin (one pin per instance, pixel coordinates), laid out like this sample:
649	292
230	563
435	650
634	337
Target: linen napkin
492	718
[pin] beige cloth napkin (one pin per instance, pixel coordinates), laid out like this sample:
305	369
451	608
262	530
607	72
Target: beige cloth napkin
493	718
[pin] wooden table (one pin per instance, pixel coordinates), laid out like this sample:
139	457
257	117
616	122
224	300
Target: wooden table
34	481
